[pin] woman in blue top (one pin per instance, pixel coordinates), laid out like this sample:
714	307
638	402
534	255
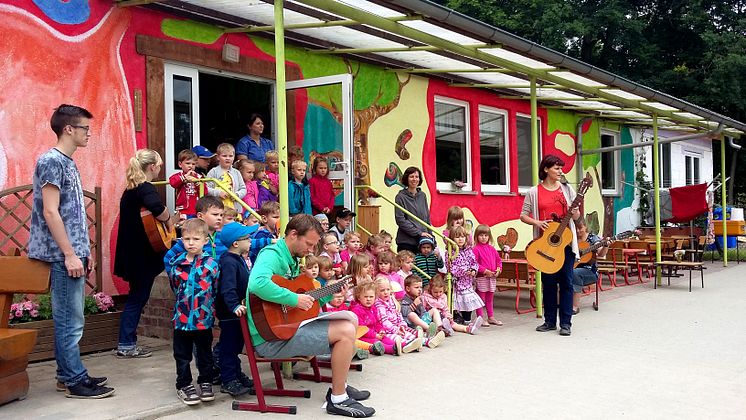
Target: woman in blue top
253	146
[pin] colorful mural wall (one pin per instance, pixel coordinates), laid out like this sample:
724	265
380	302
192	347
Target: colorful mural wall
84	52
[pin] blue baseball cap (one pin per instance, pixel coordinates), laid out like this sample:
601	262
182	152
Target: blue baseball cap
235	231
202	151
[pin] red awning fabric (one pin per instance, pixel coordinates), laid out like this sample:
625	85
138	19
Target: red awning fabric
688	203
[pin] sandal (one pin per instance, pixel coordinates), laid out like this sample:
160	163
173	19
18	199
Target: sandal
494	321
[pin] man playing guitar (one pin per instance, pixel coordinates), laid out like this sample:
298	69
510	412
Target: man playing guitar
335	337
585	274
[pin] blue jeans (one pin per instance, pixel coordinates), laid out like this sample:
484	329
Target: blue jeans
550	282
67	312
583	277
136	301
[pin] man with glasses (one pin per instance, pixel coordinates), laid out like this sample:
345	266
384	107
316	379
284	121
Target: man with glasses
59	236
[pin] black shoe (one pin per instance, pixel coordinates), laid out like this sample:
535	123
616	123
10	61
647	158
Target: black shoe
98	381
88	389
564	331
205	392
235	388
576	311
245	381
188	395
348	407
356	394
546	327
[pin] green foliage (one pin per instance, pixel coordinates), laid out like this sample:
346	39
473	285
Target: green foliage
45	306
641	180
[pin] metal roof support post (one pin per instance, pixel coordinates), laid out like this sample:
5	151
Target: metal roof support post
657	195
282	120
723	189
535	179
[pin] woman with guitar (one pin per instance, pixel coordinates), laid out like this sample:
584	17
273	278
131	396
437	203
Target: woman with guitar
135	260
550	200
586	272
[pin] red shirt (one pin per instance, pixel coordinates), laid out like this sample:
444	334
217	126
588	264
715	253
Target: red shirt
187	193
551	202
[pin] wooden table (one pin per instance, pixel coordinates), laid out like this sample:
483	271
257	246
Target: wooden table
633	252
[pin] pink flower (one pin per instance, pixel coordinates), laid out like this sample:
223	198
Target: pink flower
19	313
34	313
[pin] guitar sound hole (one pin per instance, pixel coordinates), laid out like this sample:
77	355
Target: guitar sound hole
554	239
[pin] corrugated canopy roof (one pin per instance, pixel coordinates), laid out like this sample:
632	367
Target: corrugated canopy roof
418	36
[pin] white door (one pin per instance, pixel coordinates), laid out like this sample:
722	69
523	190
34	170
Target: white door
181	87
341	173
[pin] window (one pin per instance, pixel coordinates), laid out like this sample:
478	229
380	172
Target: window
493	150
692	169
609	164
664	157
452	149
525	171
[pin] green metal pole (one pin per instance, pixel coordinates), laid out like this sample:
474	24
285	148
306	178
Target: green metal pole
657	195
282	129
535	180
725	222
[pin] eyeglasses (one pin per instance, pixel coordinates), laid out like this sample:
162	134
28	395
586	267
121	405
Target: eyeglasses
84	127
332	242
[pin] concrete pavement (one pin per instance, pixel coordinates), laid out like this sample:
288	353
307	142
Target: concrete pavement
646	354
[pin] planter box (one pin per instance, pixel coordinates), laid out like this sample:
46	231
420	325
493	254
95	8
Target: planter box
100	333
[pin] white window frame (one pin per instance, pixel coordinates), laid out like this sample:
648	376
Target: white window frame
500	188
523	189
662	165
693	155
446	186
617	162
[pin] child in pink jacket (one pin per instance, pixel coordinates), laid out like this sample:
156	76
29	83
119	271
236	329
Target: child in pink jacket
391	320
362	306
490	265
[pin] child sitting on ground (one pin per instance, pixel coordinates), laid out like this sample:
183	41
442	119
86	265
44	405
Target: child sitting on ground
372	249
299	195
405	260
338	302
326	270
229	175
352	247
321	217
359	270
344	220
229	306
188	191
193	274
387	238
387	268
374	337
415	314
435	298
428	260
329	247
391	319
311	267
267	233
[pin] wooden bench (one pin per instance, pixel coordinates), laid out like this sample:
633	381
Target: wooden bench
684	265
518	275
17	275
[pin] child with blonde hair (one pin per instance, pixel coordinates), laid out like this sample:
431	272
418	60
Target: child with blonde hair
464	270
229	215
387	238
311	267
188	191
263	185
326	270
490	265
299	195
228	174
387	268
372	249
435	297
367	316
272	167
353	246
416	316
391	319
247	169
322	191
405	261
329	247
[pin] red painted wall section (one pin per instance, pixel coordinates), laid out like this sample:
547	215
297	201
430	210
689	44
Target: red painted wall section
489	209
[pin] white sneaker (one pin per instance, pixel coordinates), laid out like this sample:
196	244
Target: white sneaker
413	345
436	340
474	326
397	346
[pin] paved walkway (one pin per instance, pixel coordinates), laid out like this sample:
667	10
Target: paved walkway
647	353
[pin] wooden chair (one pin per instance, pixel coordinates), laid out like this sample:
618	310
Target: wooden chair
615	260
18	275
644	261
518	275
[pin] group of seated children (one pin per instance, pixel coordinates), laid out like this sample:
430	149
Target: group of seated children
399	310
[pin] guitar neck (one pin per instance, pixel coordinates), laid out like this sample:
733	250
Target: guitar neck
566	219
327	290
605	242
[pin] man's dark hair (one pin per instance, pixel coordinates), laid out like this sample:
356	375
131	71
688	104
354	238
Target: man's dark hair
65	115
409	171
302	224
548	162
204	204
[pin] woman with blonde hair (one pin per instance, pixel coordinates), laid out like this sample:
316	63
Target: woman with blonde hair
135	260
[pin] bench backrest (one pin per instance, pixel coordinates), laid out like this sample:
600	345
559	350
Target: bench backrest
20	275
514	270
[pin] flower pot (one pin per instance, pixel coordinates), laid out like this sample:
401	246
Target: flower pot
100	333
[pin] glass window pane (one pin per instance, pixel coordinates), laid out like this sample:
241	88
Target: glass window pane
688	165
696	170
183	115
608	169
525	173
450	142
492	148
666	165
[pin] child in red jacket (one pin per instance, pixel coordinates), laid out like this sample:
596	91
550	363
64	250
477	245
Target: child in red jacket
187	190
322	192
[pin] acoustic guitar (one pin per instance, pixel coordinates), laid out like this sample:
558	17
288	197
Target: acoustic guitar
280	322
547	252
161	237
587	250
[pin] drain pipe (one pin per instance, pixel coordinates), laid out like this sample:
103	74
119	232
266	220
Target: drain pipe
737	147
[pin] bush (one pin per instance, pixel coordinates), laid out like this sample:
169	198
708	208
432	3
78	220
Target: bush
39	307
